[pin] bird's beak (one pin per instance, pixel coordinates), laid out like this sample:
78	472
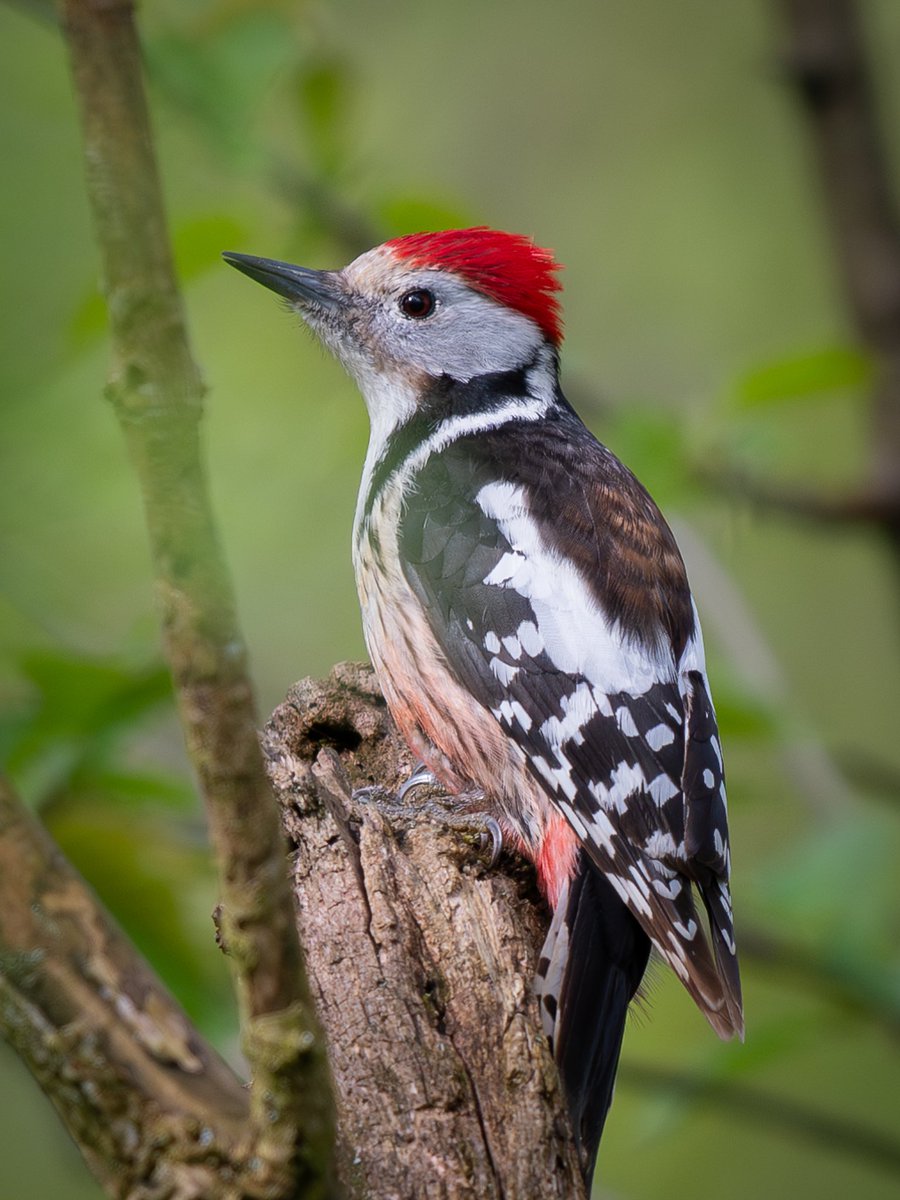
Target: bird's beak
297	284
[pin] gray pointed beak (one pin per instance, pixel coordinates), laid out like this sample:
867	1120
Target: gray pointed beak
297	284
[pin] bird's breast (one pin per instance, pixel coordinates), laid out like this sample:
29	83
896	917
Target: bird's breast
444	725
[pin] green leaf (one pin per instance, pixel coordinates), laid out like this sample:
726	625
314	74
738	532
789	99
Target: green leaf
220	79
91	694
741	713
74	715
841	889
325	98
136	788
829	369
197	244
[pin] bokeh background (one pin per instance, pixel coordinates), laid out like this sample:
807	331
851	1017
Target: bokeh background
657	149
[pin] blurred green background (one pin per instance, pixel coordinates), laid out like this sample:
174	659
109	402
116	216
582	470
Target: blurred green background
656	149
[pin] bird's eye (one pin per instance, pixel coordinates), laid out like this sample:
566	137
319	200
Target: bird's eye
417	304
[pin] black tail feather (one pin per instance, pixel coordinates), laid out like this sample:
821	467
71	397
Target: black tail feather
592	965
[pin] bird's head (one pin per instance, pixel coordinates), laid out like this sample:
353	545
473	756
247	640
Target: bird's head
459	303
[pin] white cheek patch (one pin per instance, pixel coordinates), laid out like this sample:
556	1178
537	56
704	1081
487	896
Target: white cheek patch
392	403
468	335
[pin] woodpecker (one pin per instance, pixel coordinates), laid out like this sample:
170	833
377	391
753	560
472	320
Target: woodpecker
528	614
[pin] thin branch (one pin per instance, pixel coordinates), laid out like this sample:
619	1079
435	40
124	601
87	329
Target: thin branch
156	391
826	979
146	1099
318	198
771	1111
827	62
864	506
871	773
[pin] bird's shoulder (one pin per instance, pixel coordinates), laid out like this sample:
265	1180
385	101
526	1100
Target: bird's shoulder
550	488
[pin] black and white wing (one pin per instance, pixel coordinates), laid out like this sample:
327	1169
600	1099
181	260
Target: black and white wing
559	600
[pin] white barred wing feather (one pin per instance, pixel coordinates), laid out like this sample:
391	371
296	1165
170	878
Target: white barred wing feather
618	730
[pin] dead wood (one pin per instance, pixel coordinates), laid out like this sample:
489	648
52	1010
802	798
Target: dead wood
420	957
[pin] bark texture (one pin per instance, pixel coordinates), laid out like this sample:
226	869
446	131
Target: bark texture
156	391
153	1108
420	956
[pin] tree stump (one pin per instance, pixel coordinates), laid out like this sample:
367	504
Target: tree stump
420	957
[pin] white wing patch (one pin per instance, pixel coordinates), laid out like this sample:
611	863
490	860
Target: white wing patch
613	750
573	630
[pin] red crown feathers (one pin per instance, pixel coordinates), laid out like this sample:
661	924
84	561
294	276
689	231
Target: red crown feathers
508	267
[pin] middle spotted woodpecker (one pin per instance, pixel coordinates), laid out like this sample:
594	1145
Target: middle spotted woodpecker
528	614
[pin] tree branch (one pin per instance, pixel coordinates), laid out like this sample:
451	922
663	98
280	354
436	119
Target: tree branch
771	1111
422	961
876	1000
865	506
826	61
827	64
149	1103
156	390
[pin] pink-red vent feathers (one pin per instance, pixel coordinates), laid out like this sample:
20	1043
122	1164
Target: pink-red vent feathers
508	267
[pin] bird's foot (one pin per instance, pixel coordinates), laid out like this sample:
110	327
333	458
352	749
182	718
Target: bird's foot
365	795
422	776
484	830
490	835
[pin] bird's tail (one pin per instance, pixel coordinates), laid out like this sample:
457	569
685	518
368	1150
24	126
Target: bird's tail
591	965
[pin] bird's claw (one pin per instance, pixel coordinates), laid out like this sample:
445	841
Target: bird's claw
422	776
493	831
365	795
